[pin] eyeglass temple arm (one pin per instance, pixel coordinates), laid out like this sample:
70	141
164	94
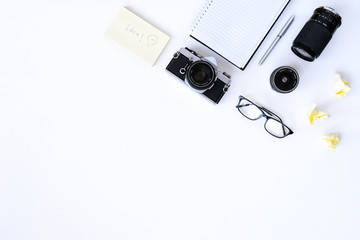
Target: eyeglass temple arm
271	114
243	105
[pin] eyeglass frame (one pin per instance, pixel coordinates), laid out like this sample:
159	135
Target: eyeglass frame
265	113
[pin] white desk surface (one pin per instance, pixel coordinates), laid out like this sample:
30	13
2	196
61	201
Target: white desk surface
96	144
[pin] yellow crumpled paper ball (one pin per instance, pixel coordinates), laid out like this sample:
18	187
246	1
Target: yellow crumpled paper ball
315	114
332	139
342	87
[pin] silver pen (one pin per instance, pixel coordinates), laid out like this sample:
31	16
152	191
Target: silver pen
281	33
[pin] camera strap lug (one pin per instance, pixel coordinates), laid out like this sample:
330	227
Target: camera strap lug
183	69
176	55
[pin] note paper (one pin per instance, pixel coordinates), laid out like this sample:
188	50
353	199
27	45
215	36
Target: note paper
235	28
137	35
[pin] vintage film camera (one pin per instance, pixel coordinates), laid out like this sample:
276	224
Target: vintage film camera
199	73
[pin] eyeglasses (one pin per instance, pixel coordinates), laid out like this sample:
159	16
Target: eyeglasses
273	123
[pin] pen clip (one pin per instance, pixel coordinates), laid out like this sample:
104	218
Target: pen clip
286	26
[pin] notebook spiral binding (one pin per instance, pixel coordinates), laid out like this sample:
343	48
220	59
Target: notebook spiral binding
205	8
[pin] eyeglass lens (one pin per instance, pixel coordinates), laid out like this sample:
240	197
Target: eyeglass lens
276	128
249	110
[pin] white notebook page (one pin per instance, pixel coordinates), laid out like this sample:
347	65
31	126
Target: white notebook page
235	28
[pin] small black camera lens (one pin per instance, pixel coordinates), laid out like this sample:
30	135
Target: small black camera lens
284	79
200	75
316	33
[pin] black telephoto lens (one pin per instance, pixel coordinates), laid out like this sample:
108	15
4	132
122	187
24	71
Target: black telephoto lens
316	33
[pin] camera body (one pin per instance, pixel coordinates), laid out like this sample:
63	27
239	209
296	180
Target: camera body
200	74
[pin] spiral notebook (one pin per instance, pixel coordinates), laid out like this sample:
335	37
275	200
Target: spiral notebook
234	29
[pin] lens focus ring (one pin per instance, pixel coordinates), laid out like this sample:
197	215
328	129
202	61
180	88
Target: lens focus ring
327	17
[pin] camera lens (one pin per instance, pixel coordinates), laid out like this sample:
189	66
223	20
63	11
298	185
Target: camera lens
316	33
200	75
284	79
